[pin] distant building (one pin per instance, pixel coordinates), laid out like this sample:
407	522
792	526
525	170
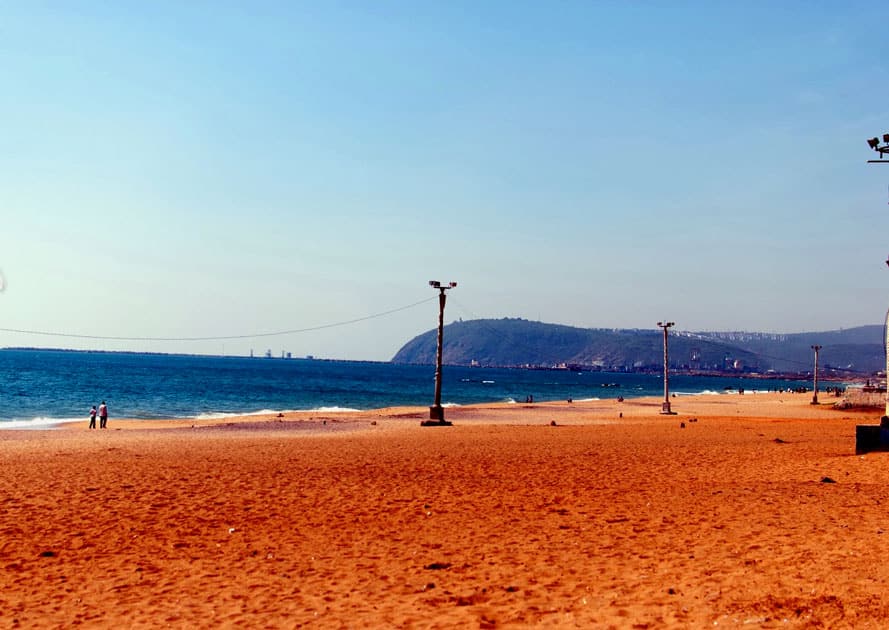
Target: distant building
694	360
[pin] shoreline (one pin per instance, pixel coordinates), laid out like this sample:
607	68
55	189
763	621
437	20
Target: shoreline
593	409
268	415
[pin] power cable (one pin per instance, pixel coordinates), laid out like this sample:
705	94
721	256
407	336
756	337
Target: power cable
221	337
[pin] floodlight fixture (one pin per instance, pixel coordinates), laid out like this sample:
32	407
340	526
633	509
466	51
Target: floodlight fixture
882	149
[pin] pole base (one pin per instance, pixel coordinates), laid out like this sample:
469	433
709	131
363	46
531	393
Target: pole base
436	423
436	418
815	401
666	411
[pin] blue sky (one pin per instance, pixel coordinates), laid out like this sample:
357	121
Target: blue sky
175	170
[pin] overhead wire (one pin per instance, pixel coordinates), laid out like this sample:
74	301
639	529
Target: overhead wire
276	333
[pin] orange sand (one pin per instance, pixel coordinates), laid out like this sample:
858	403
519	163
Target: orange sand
499	521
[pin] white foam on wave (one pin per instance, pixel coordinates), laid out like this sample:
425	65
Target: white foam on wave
271	412
587	399
38	423
706	392
220	415
451	405
510	401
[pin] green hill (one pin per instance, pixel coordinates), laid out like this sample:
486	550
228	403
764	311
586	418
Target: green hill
518	342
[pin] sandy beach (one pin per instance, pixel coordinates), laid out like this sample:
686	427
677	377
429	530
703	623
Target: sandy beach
594	514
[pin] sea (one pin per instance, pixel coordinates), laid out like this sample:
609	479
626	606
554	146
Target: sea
42	388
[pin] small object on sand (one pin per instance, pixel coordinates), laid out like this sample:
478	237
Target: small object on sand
780	441
827	480
373	423
437	566
553	423
48	554
621	414
280	415
681	425
231	530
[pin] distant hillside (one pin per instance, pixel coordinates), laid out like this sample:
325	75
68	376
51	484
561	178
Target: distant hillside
518	342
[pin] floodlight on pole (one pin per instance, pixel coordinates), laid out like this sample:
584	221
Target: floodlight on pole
436	411
882	149
816	348
665	409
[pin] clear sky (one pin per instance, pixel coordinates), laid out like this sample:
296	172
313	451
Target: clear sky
201	169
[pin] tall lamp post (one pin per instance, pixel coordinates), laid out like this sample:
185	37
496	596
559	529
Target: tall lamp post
883	150
436	411
816	348
666	407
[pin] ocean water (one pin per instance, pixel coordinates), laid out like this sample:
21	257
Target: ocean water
45	387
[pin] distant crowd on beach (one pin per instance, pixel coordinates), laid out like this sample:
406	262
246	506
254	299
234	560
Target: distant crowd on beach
102	412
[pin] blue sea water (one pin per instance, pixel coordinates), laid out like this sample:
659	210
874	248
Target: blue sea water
45	387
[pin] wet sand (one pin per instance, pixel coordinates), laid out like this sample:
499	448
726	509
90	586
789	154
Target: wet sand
757	513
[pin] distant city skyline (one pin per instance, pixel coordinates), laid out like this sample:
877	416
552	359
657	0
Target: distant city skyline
204	170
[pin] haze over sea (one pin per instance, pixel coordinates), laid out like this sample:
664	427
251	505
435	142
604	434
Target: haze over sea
41	388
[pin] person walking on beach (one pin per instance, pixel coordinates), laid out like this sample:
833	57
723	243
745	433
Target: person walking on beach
93	417
103	415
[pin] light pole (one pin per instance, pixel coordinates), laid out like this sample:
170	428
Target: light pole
816	348
436	411
666	407
883	150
